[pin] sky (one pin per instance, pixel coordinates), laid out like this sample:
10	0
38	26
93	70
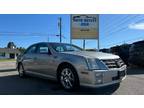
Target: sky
26	29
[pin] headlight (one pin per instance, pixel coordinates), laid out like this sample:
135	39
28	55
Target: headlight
92	64
95	64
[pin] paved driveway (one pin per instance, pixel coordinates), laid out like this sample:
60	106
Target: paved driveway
10	83
7	65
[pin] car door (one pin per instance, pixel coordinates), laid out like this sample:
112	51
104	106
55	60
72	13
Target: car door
44	60
28	58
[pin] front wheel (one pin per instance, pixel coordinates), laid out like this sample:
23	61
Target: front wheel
68	78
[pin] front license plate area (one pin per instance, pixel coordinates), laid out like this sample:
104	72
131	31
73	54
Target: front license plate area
119	76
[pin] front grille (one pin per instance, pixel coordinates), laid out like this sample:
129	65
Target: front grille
113	63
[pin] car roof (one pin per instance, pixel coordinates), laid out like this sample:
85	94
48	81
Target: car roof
52	43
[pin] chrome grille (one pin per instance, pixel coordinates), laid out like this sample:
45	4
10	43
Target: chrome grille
113	63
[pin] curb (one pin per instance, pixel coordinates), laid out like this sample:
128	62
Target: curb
5	70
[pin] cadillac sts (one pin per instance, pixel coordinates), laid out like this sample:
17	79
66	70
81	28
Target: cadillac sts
71	66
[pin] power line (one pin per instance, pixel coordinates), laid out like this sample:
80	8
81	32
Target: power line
114	26
27	34
119	25
126	41
123	28
140	34
114	22
123	21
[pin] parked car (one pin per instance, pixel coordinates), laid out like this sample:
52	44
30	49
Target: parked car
71	66
137	53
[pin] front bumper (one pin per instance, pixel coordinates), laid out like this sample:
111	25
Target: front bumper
108	77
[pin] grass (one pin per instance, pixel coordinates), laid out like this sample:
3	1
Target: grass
7	60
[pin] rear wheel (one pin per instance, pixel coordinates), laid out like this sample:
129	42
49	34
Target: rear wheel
68	78
21	70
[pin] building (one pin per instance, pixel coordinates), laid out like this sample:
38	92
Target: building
8	53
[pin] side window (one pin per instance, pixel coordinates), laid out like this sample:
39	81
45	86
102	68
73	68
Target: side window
71	48
31	50
59	49
43	49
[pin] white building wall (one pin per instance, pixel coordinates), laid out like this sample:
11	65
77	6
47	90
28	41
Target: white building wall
15	56
1	57
5	57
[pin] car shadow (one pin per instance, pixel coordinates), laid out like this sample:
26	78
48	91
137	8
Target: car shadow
108	90
13	85
6	70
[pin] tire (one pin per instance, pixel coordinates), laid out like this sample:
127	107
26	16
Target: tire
68	78
21	71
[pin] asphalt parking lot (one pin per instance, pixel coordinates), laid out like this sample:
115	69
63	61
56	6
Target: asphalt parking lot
11	84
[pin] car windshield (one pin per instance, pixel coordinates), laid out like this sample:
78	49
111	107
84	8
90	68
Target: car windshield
65	47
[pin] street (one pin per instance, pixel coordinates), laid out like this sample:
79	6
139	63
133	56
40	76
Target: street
11	84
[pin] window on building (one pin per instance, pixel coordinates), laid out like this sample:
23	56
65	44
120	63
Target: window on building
2	54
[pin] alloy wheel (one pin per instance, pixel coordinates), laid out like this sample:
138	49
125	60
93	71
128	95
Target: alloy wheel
67	78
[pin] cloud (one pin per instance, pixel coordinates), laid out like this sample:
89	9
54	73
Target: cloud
137	26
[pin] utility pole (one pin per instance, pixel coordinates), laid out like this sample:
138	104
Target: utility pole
48	38
98	41
60	28
84	44
98	44
70	29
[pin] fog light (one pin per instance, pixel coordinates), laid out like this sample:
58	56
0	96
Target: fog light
98	74
99	78
98	81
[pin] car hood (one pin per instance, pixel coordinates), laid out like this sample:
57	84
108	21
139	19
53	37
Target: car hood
91	54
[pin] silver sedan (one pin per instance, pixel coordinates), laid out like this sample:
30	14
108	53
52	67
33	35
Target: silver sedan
71	66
